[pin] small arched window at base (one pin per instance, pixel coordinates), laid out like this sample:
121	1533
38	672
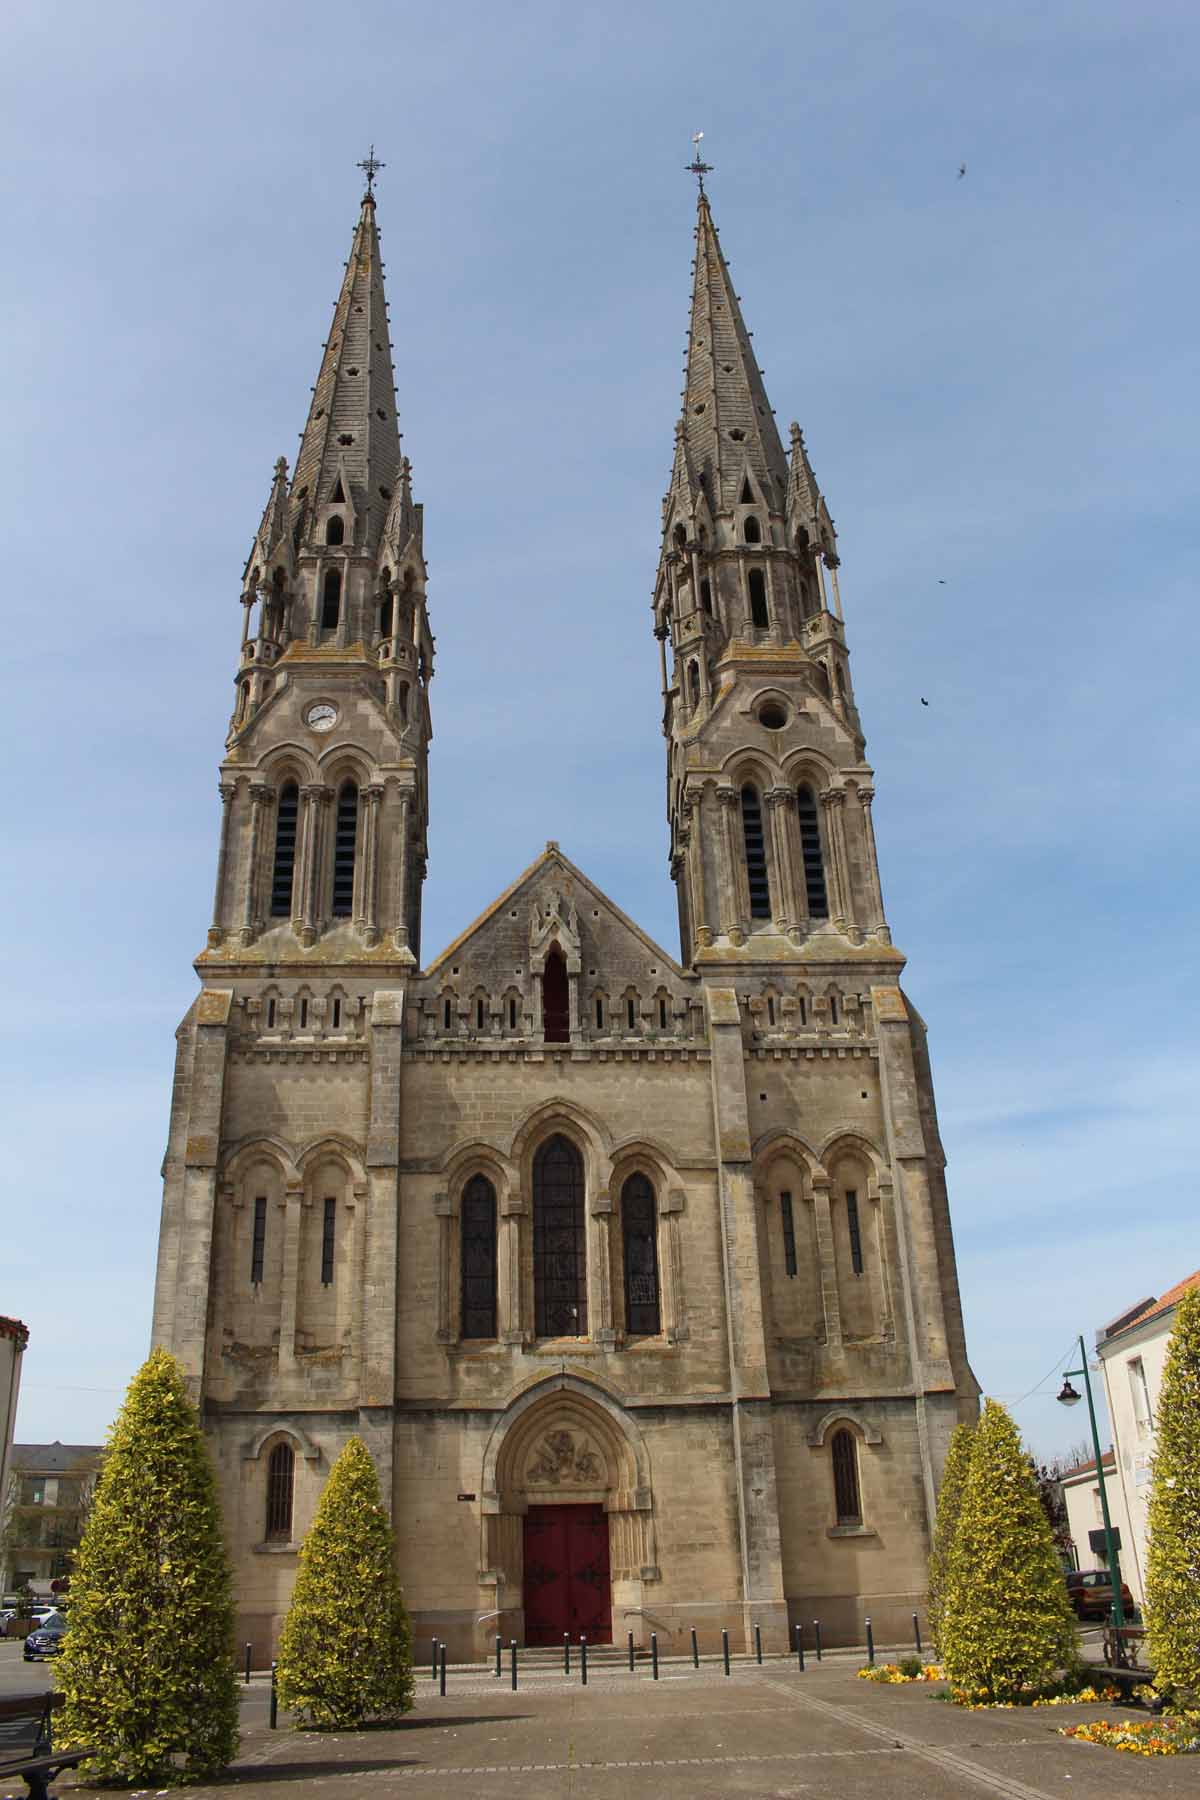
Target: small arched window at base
846	1498
281	1480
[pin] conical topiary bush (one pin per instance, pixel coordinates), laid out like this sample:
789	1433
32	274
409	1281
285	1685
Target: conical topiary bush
949	1505
1173	1523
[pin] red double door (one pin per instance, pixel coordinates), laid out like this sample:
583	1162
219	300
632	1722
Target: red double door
567	1584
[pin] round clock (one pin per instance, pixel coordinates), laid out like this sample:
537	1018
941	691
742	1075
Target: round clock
321	717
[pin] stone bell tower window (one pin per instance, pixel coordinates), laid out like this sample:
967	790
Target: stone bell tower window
335	529
331	600
258	1243
345	839
752	530
760	618
285	850
810	848
559	1250
556	1000
846	1498
756	854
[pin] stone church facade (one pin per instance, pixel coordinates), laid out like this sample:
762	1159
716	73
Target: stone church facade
634	1272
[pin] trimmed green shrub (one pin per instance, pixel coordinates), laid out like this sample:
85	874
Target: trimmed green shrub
345	1652
1173	1522
147	1666
1007	1626
949	1504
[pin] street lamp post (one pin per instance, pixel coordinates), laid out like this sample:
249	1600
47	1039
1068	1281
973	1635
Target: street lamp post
1070	1397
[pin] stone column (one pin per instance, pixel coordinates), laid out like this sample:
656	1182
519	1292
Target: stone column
780	801
289	1299
833	800
827	1260
819	568
599	1271
371	798
259	795
876	921
444	1213
837	596
400	925
693	799
509	1286
226	789
728	884
674	1313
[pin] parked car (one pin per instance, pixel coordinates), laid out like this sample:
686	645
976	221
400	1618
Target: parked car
46	1640
1090	1592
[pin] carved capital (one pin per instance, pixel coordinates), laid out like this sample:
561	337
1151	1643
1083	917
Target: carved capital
779	796
602	1203
226	789
832	797
866	795
260	793
728	796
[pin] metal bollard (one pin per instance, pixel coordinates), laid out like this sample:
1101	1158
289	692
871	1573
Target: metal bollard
870	1644
654	1653
917	1632
499	1654
442	1673
274	1716
433	1660
725	1649
800	1647
583	1660
631	1653
817	1636
248	1665
758	1643
566	1653
695	1650
512	1647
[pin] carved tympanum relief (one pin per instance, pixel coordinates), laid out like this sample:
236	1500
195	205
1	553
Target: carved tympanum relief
559	1461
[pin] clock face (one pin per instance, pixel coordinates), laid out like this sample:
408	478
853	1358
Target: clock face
321	717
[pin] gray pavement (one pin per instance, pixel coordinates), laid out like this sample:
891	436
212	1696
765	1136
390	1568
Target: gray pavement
771	1733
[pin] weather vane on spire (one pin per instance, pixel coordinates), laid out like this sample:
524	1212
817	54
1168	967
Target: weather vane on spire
698	167
371	165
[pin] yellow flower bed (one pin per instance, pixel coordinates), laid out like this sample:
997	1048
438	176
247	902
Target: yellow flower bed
1176	1735
975	1702
894	1675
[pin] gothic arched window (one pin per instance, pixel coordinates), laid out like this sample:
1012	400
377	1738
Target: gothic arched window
846	1499
478	1234
694	682
812	854
706	596
752	530
556	999
335	529
756	854
281	1474
760	618
331	600
559	1244
284	866
386	610
639	1233
345	842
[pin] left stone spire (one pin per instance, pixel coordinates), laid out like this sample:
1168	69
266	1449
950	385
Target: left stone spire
325	775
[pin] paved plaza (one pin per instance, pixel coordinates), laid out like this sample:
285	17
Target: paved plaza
771	1733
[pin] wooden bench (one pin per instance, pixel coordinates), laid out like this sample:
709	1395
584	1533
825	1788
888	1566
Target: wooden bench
1124	1667
26	1744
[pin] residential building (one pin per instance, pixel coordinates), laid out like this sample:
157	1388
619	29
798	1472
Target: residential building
49	1488
1132	1351
634	1271
1085	1516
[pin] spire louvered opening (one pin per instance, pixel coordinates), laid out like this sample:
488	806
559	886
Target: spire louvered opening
556	999
756	854
811	851
345	840
335	529
284	866
752	530
760	618
331	600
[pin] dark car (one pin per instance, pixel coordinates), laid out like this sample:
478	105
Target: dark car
1090	1592
45	1641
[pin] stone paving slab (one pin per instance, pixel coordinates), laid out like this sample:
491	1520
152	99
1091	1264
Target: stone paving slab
769	1733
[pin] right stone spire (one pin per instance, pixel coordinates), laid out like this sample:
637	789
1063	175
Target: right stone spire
768	794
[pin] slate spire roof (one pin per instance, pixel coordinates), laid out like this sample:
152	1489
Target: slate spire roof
727	426
352	431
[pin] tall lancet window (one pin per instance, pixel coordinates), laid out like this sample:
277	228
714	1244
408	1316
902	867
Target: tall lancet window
756	854
284	867
281	1475
478	1258
760	617
345	840
556	999
559	1242
639	1232
810	849
331	600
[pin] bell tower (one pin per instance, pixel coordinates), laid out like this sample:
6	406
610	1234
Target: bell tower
768	795
324	785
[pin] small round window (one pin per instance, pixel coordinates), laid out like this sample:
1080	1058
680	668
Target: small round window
772	715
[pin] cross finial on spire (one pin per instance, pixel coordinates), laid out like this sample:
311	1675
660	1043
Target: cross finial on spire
698	167
370	165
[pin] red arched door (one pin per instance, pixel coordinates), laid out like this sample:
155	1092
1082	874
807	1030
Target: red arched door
568	1585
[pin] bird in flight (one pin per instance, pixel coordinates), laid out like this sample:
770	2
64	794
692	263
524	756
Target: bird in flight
924	701
941	581
962	169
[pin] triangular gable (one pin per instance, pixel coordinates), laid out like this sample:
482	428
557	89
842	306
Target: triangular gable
551	860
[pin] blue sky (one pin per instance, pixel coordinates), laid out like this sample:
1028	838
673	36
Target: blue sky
996	376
